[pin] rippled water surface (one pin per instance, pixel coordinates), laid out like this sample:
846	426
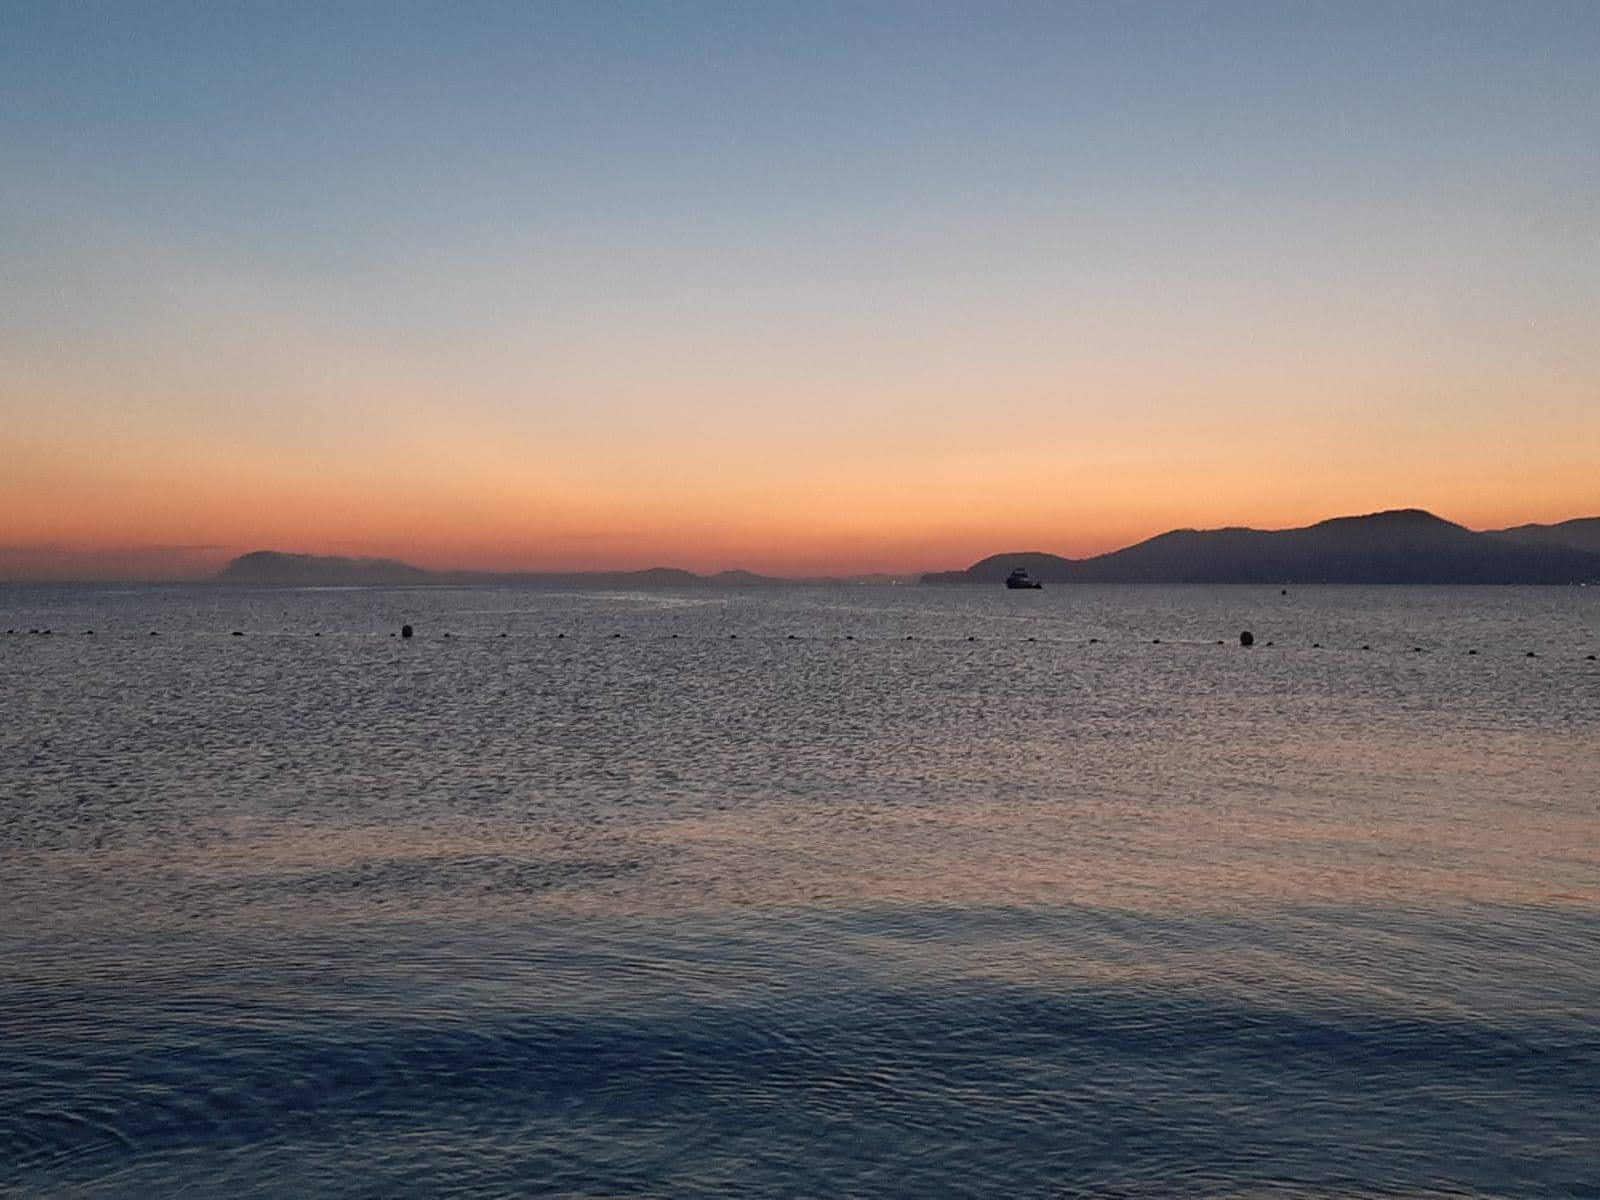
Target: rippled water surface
791	892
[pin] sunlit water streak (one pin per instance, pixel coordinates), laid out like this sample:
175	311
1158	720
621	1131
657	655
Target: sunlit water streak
800	892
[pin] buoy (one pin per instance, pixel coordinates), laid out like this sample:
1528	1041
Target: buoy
1531	654
674	635
1589	658
1364	646
791	637
1284	592
1471	651
237	633
1033	639
1155	641
972	639
1247	638
1416	649
153	633
849	637
616	635
1316	645
561	635
502	635
447	633
88	633
319	634
1092	641
405	631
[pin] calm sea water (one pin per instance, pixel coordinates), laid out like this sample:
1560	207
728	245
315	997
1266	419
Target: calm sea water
853	892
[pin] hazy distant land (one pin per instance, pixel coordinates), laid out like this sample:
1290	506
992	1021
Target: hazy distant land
1399	546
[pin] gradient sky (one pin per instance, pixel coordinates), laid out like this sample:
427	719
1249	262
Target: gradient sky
798	288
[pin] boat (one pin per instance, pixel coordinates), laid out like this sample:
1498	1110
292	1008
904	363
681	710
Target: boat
1019	579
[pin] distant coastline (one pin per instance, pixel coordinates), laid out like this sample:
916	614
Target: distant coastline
1398	546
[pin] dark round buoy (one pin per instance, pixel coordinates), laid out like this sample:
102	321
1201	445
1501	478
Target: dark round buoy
849	637
733	637
972	639
1092	641
237	633
447	633
1284	592
1033	639
153	633
1316	645
317	634
88	633
791	637
1416	649
674	635
1155	641
1364	646
616	635
502	635
405	631
1588	658
1471	651
561	635
1247	638
1531	654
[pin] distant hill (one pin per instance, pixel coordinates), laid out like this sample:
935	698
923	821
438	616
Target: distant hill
1398	546
271	568
1582	533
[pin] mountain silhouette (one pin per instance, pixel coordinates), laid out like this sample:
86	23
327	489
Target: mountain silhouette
1582	533
1398	546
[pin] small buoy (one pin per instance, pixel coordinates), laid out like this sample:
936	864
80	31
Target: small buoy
790	637
502	635
849	637
1364	646
1589	658
1416	649
319	634
1316	645
972	639
1247	638
1033	639
616	635
1272	643
447	633
88	633
1219	641
1284	592
1155	641
733	637
1092	641
1471	651
237	633
561	635
674	635
405	631
153	633
1531	654
909	638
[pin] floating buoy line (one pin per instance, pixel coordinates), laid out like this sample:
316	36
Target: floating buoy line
1247	639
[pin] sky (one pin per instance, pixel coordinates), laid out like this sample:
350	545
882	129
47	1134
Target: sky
796	288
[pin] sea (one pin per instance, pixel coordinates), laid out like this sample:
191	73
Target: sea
800	892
